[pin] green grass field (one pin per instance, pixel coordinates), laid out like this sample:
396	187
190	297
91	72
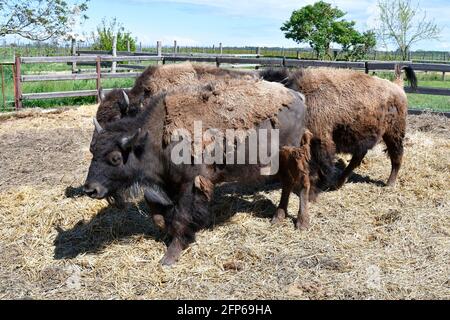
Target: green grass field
416	101
54	86
422	101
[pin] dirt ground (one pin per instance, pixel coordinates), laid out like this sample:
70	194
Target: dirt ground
367	241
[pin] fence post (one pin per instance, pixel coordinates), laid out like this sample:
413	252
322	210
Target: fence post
3	87
74	53
366	67
258	51
217	62
159	50
220	48
175	47
18	88
128	45
114	54
98	70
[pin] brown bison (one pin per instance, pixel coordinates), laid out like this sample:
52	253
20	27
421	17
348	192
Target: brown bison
143	150
349	112
295	162
158	79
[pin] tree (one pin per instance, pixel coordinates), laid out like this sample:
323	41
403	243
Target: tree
39	20
103	38
355	45
321	24
403	24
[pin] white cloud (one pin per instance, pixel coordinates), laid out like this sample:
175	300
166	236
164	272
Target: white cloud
364	12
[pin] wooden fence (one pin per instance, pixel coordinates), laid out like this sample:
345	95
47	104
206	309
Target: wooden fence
97	58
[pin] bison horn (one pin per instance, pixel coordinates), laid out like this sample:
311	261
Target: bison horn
101	95
125	96
128	143
98	127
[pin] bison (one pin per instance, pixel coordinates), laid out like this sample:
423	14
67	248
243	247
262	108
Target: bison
349	112
157	79
138	150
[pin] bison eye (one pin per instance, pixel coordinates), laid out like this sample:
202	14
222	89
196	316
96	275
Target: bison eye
115	158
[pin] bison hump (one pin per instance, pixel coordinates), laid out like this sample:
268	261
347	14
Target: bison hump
225	104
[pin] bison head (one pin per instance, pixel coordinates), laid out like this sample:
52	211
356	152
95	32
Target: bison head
116	164
117	104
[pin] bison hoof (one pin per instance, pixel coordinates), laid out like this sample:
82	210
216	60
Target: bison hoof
390	184
302	225
168	261
279	216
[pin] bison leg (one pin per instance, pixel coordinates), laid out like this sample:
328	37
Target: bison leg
281	212
303	214
156	212
354	163
189	215
395	151
182	235
173	252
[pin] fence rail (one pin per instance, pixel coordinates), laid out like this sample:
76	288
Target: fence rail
99	58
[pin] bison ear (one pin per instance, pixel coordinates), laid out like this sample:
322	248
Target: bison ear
204	185
156	195
127	143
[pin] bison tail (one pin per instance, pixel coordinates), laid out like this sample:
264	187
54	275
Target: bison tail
275	75
410	76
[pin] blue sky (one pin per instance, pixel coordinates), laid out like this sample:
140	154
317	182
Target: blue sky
236	22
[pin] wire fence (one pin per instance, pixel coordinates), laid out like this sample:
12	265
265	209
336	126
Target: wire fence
237	55
8	51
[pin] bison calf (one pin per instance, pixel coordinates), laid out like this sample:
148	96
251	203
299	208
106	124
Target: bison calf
295	175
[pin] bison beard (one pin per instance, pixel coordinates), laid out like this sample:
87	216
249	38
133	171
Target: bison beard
179	195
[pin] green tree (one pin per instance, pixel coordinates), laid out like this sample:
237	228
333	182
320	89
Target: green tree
103	38
355	45
321	24
39	20
403	24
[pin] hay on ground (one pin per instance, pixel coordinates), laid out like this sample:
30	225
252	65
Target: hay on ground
366	241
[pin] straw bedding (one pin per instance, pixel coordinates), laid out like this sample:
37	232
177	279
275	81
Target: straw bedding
366	241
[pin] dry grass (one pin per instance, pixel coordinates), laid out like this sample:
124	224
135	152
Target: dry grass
366	241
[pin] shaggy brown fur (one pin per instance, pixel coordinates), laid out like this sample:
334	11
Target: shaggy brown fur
158	79
225	104
131	150
295	174
113	107
349	112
